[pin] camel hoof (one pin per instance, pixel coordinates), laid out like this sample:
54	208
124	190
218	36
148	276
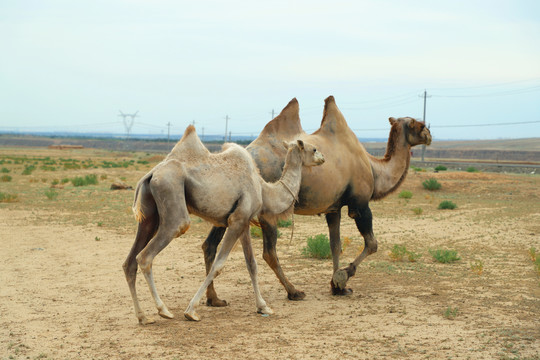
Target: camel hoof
338	291
192	316
145	321
340	278
296	296
265	310
216	302
165	313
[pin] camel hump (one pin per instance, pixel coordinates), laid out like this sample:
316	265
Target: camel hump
189	144
287	124
333	120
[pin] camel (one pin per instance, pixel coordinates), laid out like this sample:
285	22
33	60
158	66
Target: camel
350	177
224	189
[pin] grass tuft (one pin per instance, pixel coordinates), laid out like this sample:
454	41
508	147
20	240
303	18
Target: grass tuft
447	205
8	198
441	168
450	313
418	211
84	181
5	178
400	252
444	256
405	194
284	223
51	194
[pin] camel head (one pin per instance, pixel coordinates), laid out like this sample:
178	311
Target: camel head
416	132
309	153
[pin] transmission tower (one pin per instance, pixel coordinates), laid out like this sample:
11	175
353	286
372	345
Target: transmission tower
128	124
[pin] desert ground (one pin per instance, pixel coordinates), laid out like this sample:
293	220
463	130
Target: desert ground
63	293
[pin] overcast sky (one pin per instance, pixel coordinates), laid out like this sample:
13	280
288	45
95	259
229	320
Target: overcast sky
73	65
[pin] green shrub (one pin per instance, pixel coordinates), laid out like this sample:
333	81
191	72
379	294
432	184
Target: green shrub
472	169
65	180
440	168
318	247
431	184
444	256
418	211
447	205
5	178
83	181
51	194
5	170
405	194
6	198
284	223
28	169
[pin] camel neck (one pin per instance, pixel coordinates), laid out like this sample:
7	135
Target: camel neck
279	196
390	171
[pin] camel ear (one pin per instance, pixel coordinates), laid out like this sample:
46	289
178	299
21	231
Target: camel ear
392	120
412	123
300	144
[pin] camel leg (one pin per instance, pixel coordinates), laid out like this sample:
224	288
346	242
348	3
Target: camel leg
209	248
269	231
174	221
231	235
333	220
262	308
364	222
146	230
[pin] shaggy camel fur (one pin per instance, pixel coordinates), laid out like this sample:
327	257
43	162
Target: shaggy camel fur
350	177
225	189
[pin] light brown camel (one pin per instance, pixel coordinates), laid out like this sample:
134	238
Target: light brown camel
350	177
225	189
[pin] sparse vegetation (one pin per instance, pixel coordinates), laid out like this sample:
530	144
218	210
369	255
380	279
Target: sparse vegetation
405	194
7	198
440	168
418	210
431	184
450	313
84	181
477	267
255	232
51	194
284	223
28	169
318	247
447	205
5	178
400	253
472	169
444	256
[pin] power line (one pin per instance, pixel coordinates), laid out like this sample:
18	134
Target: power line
492	124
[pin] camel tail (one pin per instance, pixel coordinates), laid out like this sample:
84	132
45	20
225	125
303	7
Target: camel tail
137	208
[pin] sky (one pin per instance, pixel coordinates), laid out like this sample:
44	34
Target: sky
74	65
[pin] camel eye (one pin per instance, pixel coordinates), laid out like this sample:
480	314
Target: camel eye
314	150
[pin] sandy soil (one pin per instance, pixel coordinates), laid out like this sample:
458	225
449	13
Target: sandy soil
63	293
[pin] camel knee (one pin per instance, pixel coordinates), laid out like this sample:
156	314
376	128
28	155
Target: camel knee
371	246
144	263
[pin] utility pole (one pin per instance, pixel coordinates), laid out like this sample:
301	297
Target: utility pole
168	132
202	134
226	126
128	124
425	96
272	112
